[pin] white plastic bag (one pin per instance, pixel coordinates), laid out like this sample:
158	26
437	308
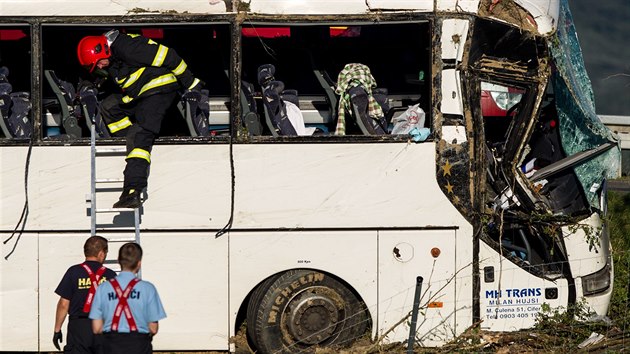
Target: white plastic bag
297	119
413	117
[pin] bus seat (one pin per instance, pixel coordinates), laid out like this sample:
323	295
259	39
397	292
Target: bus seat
65	93
20	123
15	110
5	105
249	111
195	107
358	88
90	106
359	103
275	109
329	89
327	84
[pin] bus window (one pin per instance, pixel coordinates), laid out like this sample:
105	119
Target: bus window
204	47
308	59
15	82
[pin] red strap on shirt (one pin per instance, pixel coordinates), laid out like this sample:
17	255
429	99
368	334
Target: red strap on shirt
123	306
94	279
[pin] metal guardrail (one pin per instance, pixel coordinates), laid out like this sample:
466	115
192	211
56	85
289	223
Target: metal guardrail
619	185
620	125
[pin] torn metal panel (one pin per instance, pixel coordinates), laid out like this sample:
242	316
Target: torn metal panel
455	31
453	173
451	92
108	7
508	11
453	151
544	12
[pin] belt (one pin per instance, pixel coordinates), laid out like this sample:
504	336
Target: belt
127	334
79	317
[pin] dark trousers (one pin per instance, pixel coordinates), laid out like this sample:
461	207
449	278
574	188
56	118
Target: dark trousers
147	114
126	343
79	339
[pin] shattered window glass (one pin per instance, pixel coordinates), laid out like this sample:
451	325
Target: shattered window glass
580	128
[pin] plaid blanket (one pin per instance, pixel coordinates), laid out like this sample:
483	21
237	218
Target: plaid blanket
352	75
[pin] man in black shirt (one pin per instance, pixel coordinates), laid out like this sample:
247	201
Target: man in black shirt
76	293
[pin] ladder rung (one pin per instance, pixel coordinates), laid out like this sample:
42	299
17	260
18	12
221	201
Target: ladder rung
109	180
114	210
111	150
121	240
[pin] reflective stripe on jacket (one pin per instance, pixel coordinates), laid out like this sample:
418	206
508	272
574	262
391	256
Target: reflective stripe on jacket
142	67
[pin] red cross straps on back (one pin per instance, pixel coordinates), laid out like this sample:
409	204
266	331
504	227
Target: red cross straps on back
123	305
94	279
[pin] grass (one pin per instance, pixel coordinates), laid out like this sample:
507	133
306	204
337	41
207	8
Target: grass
619	226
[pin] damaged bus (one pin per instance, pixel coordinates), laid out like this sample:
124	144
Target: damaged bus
344	150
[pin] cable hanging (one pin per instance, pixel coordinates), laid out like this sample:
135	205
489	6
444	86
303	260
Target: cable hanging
22	222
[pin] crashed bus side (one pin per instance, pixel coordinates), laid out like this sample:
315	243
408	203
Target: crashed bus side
526	161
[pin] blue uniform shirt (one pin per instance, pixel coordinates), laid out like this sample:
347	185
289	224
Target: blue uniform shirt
143	300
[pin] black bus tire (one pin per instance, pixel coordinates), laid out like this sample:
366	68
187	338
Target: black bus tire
254	303
303	309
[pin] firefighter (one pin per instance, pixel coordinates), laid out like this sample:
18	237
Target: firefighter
126	309
149	75
76	293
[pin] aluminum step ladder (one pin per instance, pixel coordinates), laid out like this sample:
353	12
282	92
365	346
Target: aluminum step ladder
113	184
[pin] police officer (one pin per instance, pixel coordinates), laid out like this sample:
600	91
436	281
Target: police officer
149	75
126	309
76	293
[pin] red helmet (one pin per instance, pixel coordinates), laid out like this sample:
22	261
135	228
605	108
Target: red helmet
91	49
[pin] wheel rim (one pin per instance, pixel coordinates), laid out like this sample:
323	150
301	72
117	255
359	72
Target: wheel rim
312	318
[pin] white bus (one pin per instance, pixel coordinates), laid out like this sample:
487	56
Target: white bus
318	240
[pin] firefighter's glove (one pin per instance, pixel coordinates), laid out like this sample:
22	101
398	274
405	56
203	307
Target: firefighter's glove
85	85
196	86
57	337
191	96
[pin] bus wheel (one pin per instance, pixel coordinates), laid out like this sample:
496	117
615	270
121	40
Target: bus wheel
305	308
252	307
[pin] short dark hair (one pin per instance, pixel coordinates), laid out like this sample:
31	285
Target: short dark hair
94	245
129	255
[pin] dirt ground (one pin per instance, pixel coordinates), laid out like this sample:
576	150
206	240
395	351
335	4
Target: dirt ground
613	340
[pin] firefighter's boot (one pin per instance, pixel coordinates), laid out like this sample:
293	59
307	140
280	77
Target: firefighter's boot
130	198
